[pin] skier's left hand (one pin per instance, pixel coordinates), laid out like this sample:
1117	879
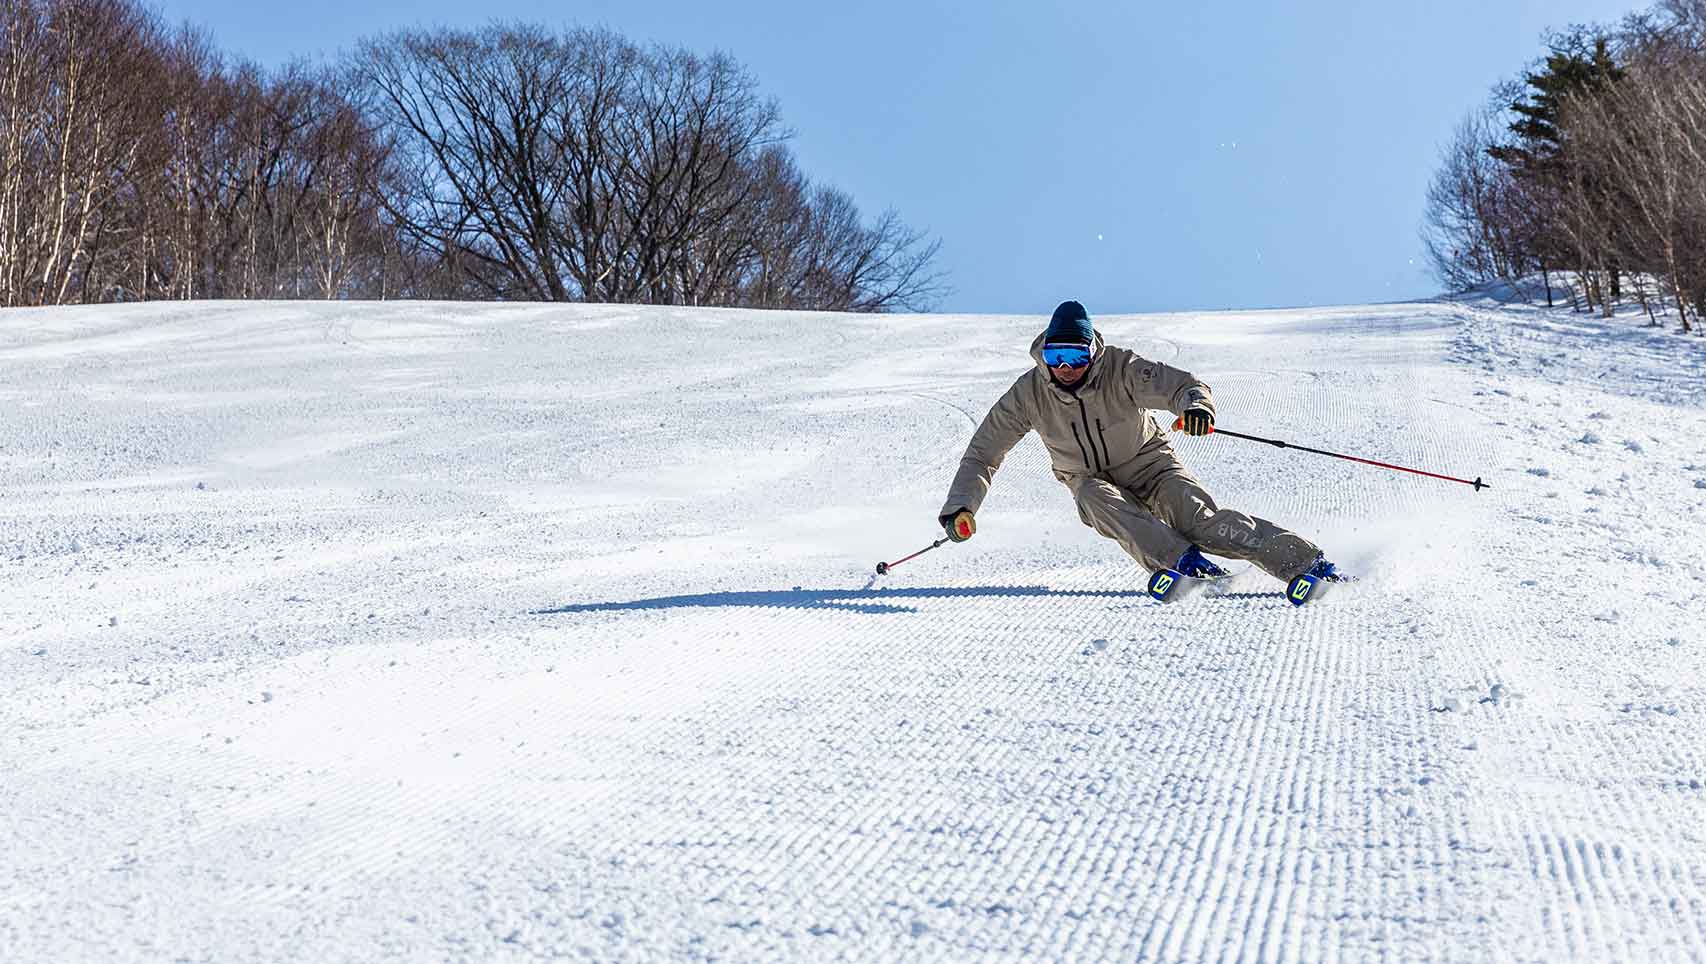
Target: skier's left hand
1197	421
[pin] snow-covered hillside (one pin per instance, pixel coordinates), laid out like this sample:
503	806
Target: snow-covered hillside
463	632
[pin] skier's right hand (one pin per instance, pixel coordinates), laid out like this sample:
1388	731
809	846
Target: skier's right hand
960	525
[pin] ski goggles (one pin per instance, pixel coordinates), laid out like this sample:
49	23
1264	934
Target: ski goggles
1071	356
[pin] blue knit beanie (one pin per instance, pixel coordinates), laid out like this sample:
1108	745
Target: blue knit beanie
1070	325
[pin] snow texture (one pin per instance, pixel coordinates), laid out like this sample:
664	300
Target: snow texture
469	632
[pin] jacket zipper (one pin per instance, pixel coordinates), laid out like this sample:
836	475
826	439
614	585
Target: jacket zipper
1085	413
1081	453
1106	455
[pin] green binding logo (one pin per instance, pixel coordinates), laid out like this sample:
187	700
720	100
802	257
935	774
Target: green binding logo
1300	592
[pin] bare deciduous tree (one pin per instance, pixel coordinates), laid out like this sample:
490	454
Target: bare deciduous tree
79	125
509	162
1467	221
581	166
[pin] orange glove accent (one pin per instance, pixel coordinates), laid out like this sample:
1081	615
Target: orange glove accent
1195	421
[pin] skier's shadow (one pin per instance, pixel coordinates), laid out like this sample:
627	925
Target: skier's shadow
873	601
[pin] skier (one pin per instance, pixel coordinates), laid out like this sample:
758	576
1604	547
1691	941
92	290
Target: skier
1090	401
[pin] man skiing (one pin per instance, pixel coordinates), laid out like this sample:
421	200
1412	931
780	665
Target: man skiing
1090	404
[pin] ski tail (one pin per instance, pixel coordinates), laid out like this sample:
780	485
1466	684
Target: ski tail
1302	589
1163	583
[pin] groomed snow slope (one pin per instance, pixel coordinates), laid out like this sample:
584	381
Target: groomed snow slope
462	632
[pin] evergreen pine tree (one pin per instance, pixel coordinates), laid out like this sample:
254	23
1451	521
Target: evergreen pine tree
1579	64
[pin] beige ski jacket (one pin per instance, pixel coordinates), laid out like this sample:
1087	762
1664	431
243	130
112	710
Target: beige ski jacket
1094	431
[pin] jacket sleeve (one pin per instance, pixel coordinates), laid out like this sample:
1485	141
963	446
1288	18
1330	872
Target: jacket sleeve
1007	422
1153	384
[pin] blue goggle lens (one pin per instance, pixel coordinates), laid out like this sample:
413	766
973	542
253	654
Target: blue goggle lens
1072	356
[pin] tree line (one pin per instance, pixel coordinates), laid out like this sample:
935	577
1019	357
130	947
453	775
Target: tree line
138	162
1591	170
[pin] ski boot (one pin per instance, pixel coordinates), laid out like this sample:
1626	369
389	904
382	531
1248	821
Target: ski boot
1187	577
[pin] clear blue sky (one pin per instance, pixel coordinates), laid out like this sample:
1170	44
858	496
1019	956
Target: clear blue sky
1136	157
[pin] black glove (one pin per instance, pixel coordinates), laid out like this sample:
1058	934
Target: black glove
1198	421
960	524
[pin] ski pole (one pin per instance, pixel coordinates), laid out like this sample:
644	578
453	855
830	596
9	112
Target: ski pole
1478	484
884	567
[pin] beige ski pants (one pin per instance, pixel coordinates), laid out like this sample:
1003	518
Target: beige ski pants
1155	509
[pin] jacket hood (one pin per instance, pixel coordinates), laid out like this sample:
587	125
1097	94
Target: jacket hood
1090	377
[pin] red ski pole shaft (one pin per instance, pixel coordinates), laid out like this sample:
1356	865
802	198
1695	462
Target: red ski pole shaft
884	567
1478	484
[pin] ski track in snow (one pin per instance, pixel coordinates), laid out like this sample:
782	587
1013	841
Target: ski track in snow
501	632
